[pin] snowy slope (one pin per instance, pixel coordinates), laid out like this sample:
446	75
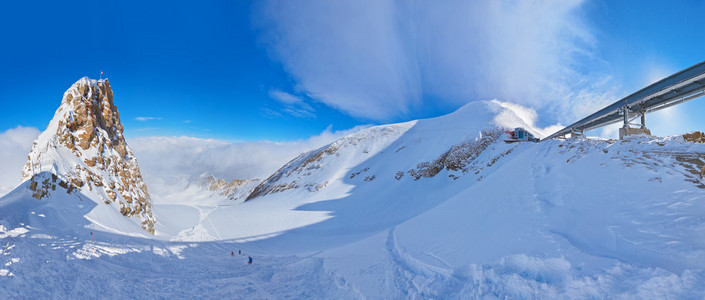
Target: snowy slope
576	219
401	147
361	184
558	197
437	208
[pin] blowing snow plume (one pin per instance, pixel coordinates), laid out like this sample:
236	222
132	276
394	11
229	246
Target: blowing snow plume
384	59
84	149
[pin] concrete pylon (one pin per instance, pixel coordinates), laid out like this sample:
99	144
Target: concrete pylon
625	132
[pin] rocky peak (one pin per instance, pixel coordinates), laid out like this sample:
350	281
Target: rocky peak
85	147
90	118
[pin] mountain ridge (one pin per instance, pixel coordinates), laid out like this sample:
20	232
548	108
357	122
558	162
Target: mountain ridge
462	135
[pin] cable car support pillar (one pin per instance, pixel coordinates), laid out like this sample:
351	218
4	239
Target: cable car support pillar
626	131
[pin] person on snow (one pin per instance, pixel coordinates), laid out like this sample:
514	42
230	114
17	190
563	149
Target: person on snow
232	253
239	252
249	260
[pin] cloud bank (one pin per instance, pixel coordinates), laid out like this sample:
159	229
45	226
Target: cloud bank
380	59
15	144
171	163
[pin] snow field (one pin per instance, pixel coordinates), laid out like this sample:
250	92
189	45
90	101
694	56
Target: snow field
559	219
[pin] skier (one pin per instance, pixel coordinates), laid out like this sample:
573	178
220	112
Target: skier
232	253
249	260
239	252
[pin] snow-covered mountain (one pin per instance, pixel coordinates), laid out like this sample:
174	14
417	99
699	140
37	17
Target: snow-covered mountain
84	151
237	189
436	208
403	152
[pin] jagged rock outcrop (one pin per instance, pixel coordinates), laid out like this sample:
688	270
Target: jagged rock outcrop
694	137
43	184
457	158
84	148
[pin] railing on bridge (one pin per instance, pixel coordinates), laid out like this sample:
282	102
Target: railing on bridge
680	87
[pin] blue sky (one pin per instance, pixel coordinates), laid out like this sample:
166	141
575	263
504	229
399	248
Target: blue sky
287	70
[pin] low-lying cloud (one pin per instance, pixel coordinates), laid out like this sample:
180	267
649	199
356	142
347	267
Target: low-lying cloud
171	163
380	59
15	144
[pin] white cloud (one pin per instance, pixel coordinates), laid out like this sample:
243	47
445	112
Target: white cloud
142	119
15	144
293	105
170	163
269	113
379	59
529	116
284	97
300	112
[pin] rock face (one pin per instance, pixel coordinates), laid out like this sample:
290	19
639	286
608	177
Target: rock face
695	137
84	147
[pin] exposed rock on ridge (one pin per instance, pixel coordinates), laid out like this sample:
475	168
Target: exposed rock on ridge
84	146
235	190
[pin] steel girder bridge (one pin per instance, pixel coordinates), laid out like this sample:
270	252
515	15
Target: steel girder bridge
680	87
